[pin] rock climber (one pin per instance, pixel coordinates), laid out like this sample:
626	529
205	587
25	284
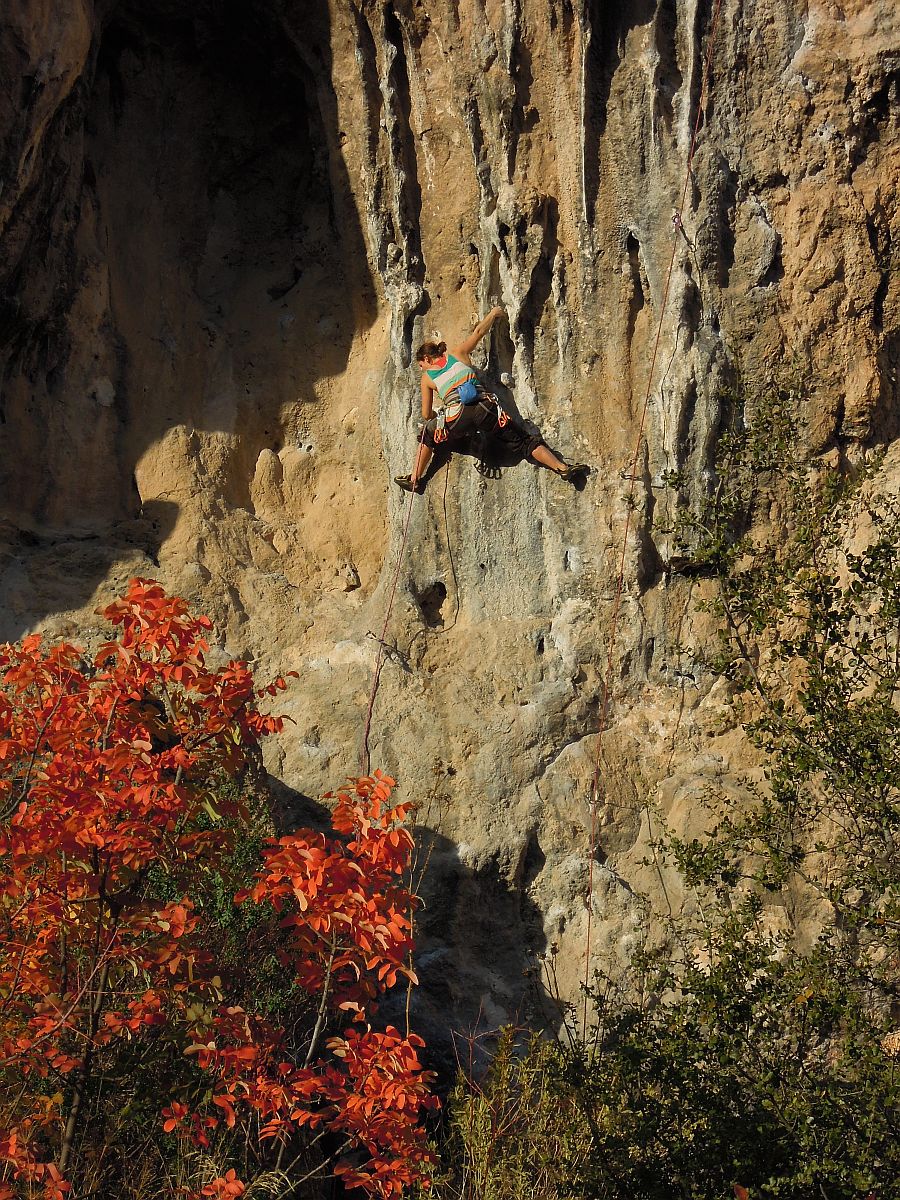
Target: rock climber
467	407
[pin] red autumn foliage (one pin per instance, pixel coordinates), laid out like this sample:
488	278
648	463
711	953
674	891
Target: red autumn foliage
347	911
104	764
226	1187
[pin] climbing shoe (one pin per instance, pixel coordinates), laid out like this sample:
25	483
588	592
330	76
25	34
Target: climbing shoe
405	482
576	473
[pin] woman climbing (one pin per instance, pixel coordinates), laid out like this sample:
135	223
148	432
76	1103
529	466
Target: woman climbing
466	407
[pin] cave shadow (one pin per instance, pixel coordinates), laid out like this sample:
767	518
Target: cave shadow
197	171
63	571
479	939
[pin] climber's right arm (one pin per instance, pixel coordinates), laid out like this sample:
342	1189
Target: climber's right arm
464	349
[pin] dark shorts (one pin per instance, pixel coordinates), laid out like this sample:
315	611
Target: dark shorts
488	418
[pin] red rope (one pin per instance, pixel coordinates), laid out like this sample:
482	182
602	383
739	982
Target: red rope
620	582
379	660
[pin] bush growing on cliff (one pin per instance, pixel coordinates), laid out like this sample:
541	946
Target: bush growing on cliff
183	1000
743	1055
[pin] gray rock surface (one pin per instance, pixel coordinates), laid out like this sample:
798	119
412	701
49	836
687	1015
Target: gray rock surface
225	227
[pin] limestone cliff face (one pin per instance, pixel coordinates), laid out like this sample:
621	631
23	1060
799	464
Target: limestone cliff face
224	227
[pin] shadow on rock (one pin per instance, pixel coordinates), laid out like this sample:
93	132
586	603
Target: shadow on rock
479	937
41	574
292	809
187	236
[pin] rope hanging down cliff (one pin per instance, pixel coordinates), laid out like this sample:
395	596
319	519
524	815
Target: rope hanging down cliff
677	229
466	408
365	762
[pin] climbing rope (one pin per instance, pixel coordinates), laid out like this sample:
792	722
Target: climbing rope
379	658
447	628
423	631
677	231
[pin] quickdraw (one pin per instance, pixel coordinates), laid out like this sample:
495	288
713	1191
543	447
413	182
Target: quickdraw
503	418
442	418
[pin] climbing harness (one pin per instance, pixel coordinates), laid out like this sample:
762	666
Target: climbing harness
629	508
440	425
451	412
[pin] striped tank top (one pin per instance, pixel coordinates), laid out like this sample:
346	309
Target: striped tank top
448	377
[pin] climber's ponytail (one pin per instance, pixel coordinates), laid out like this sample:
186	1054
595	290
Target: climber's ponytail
431	350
